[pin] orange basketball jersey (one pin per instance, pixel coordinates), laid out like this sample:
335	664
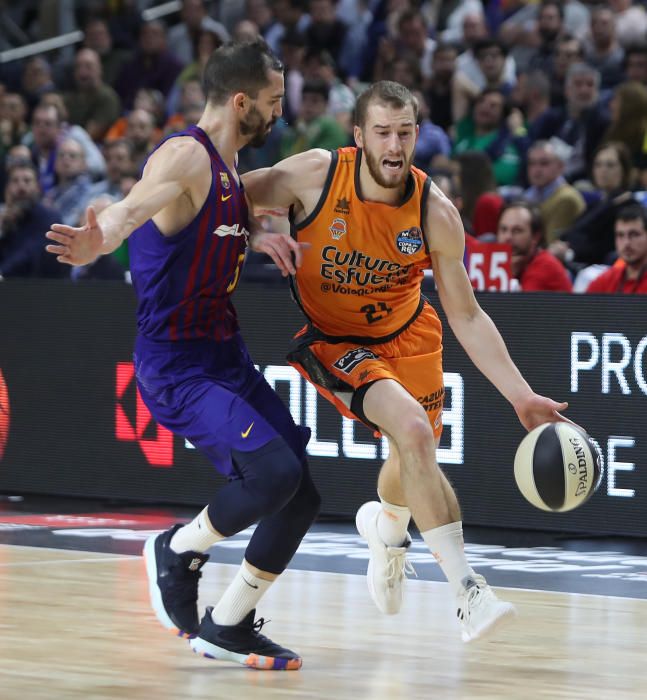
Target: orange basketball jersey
362	275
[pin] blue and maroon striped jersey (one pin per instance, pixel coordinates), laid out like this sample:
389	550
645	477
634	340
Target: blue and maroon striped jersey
184	282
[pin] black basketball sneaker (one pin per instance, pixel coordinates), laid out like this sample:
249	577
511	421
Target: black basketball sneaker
173	583
244	644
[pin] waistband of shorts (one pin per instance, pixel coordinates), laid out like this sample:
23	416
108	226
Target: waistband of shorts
143	342
315	333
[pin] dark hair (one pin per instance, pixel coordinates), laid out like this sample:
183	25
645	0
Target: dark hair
631	212
238	67
21	164
485	44
536	222
624	156
119	143
316	86
476	177
552	3
384	92
633	50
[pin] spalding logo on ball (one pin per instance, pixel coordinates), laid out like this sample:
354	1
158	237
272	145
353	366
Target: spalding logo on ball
558	467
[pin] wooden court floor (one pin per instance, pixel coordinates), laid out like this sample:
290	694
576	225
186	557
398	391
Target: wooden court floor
78	625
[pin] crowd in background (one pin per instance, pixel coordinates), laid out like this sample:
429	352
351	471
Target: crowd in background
533	115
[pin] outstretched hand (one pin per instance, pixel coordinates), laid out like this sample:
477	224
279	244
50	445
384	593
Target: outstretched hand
286	253
76	246
536	410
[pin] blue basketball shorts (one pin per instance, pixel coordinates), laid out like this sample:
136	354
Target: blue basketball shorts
211	394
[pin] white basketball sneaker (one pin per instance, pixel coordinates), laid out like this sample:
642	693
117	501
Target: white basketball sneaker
479	610
387	566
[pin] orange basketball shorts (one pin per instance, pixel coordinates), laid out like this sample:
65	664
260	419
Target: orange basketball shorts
413	359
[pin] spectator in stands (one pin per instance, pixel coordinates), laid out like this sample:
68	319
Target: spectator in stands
314	128
636	63
440	86
105	267
602	50
630	275
184	37
520	27
580	123
480	203
48	127
320	65
289	15
536	269
531	97
558	202
629	119
568	50
22	222
411	41
590	240
490	56
207	43
151	101
72	182
153	65
631	21
97	37
550	26
191	98
140	133
245	30
450	18
432	140
293	50
325	32
92	104
486	130
119	162
36	80
13	121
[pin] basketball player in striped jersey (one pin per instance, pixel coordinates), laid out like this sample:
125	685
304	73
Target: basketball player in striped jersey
372	344
187	223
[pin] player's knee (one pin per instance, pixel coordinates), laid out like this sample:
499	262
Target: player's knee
272	472
307	501
416	434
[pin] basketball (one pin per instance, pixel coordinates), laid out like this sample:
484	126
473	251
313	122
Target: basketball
558	467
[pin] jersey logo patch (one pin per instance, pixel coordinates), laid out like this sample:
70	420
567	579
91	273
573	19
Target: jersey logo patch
224	180
409	241
347	363
338	228
235	230
342	206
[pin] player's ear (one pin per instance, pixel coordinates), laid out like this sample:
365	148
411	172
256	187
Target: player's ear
240	101
357	134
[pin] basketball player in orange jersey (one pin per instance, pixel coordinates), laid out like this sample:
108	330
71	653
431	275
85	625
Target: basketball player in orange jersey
373	344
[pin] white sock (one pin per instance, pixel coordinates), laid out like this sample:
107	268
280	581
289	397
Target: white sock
196	536
241	596
392	523
447	545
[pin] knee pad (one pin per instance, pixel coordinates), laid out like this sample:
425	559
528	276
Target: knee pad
273	472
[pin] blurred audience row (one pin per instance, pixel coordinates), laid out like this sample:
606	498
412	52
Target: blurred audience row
529	109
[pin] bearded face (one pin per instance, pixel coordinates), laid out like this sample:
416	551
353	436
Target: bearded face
255	127
389	171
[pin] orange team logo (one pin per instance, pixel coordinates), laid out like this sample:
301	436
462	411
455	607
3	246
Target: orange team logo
4	415
338	228
224	180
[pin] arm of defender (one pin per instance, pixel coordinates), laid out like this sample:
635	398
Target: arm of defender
169	173
288	182
472	327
